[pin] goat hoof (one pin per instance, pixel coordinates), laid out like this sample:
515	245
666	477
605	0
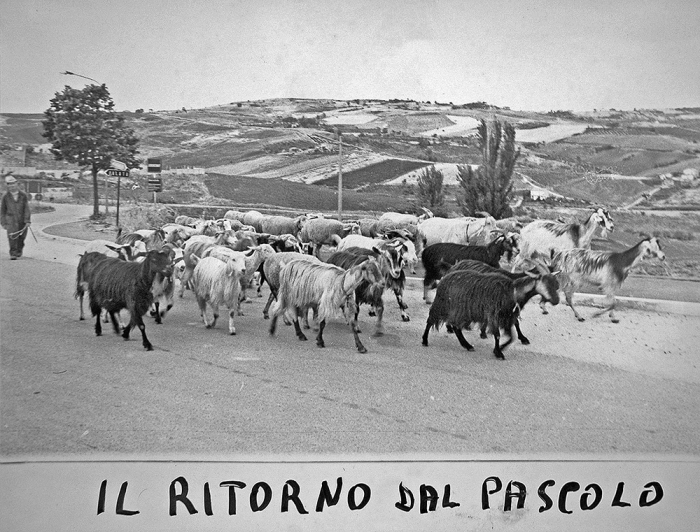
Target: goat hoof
615	320
148	347
232	333
209	325
361	349
525	341
545	311
405	318
371	314
321	344
500	356
483	335
378	334
302	338
581	319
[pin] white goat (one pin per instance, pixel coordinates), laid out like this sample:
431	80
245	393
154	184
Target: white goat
544	236
464	230
197	245
324	288
401	218
604	269
218	283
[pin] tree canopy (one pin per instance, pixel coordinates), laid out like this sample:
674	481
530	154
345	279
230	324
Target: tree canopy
85	130
489	188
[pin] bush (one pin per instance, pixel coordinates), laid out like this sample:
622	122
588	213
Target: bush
147	216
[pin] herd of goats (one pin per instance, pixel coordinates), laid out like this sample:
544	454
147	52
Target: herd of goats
220	260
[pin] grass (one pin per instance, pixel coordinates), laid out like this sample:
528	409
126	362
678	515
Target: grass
374	173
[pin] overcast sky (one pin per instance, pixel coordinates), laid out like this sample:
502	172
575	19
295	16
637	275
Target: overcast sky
528	55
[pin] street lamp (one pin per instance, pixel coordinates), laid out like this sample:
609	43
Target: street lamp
69	73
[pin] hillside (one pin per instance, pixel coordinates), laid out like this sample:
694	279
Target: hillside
610	157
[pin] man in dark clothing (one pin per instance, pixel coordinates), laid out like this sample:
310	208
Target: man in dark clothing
15	216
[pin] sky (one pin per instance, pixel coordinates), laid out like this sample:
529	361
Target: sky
574	55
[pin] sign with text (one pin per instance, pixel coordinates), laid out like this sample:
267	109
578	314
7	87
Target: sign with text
155	184
368	495
154	166
113	172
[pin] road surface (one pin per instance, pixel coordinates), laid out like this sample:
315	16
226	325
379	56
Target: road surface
591	387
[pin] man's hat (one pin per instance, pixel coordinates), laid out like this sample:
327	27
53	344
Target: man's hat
10	179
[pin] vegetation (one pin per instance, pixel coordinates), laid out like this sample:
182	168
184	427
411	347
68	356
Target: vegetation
85	130
489	188
431	190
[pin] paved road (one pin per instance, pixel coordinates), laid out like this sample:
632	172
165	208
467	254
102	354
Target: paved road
591	387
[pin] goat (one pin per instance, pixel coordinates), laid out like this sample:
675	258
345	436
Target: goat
116	285
604	269
543	236
280	225
86	266
196	245
437	258
126	252
218	283
465	297
360	241
482	267
389	263
163	288
390	257
464	230
325	231
254	218
401	218
326	289
271	273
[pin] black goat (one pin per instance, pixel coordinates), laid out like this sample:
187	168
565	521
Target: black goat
438	258
366	292
116	285
85	270
482	267
465	297
392	266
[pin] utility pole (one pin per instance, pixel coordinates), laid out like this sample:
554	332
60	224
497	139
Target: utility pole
340	176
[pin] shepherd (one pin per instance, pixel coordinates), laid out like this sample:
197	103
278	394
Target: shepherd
15	216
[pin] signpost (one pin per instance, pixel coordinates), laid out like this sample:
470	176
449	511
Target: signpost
118	173
155	182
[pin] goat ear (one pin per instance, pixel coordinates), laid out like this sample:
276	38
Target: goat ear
533	275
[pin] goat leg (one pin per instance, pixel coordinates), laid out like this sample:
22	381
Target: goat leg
428	325
569	301
462	340
115	325
98	324
319	336
300	334
266	314
231	326
498	349
379	327
142	328
521	336
542	302
361	348
402	305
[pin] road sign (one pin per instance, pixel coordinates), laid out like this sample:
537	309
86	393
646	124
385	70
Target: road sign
155	184
154	166
112	172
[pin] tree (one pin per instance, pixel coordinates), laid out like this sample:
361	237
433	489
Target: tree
431	190
84	129
490	187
